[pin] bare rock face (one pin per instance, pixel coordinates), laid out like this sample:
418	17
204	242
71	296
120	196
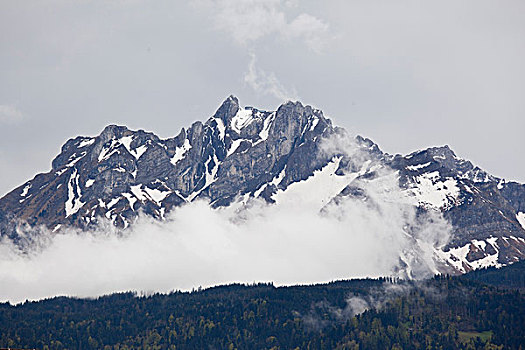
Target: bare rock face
241	153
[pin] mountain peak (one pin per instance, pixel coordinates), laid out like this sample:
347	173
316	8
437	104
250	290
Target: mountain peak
443	151
293	106
113	131
228	109
232	98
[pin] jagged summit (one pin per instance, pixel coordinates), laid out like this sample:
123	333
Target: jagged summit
444	160
227	109
236	149
243	152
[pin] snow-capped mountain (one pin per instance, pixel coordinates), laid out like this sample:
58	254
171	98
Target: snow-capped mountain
244	153
487	213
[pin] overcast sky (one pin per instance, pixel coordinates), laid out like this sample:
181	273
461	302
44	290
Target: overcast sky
407	74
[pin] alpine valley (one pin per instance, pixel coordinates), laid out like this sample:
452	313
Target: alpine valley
241	155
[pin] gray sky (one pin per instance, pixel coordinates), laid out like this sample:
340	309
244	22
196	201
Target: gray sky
407	74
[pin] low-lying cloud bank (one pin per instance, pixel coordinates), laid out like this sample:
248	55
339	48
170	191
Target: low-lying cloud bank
288	243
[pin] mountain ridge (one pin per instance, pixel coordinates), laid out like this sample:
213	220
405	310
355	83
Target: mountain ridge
241	153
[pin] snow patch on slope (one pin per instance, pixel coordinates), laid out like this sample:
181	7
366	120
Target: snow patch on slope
73	203
418	166
263	135
105	153
180	152
279	178
156	195
124	141
137	192
521	219
210	176
74	159
478	175
131	199
457	257
314	123
235	144
25	190
220	127
318	189
143	193
243	118
430	191
86	142
137	152
113	202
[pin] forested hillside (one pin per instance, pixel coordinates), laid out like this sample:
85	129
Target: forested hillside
445	312
512	276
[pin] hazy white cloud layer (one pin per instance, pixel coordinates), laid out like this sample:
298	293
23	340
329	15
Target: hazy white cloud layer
407	74
198	246
301	239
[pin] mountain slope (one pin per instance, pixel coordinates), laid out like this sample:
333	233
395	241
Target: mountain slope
287	154
486	212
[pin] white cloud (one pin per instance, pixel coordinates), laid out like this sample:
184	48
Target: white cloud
10	114
247	21
310	29
266	83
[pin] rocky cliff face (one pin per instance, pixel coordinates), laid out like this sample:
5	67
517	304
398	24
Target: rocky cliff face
242	153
